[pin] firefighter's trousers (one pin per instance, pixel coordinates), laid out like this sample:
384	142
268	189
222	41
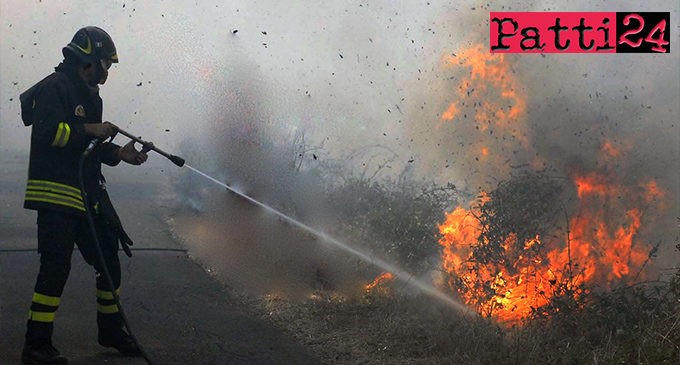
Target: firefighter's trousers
57	233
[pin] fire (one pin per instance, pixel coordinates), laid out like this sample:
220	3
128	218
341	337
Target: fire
653	193
616	248
492	290
449	114
489	104
379	281
593	183
610	150
490	91
601	247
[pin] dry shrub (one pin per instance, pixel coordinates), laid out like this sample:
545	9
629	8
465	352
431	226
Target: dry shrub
393	218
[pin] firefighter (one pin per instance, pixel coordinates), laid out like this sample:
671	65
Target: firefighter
65	112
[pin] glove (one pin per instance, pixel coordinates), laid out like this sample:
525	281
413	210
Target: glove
108	213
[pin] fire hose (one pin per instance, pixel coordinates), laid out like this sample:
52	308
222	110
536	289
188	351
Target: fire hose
146	146
397	272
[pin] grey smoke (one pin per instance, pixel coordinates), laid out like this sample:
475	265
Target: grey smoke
237	104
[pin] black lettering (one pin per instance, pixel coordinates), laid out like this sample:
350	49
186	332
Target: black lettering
581	28
502	35
606	46
536	38
557	28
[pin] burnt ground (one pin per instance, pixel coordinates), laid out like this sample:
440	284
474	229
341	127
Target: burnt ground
180	314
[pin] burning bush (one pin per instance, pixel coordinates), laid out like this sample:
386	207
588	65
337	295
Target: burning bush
509	258
494	253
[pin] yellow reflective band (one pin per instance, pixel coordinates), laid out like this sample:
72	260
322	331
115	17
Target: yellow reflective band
88	49
55	184
68	134
49	189
115	57
107	309
41	316
66	199
54	189
46	300
107	295
53	201
59	136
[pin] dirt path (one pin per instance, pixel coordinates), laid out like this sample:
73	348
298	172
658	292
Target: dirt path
180	314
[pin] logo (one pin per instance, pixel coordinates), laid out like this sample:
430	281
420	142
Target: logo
580	32
88	49
80	111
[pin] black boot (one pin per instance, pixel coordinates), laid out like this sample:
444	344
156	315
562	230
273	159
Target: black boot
41	354
121	341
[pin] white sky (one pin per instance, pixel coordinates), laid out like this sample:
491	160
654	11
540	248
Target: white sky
192	68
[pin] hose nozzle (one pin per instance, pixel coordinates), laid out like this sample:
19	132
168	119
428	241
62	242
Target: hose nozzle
177	160
148	146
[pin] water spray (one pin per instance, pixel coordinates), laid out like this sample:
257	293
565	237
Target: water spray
397	272
400	274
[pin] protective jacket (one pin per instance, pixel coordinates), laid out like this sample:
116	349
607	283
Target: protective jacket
58	107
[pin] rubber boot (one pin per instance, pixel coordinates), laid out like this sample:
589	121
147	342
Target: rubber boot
42	354
120	341
111	334
38	347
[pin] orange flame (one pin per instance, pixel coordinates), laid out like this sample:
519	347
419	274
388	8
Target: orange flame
609	149
653	192
515	295
489	105
496	101
595	251
380	280
601	245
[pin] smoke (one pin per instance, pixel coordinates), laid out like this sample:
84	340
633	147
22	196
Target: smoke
345	76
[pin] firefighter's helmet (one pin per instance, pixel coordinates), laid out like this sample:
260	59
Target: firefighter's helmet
91	44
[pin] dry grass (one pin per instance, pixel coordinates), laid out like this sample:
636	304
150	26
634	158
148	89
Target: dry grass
398	329
381	329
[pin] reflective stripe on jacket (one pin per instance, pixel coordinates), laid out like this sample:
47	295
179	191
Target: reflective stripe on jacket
57	108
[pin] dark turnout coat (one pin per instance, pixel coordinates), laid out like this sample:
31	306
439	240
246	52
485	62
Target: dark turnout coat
57	108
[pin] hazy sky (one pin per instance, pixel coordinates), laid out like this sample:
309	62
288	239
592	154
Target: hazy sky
347	73
351	74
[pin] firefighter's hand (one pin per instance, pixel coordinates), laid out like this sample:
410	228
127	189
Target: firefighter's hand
129	154
101	130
